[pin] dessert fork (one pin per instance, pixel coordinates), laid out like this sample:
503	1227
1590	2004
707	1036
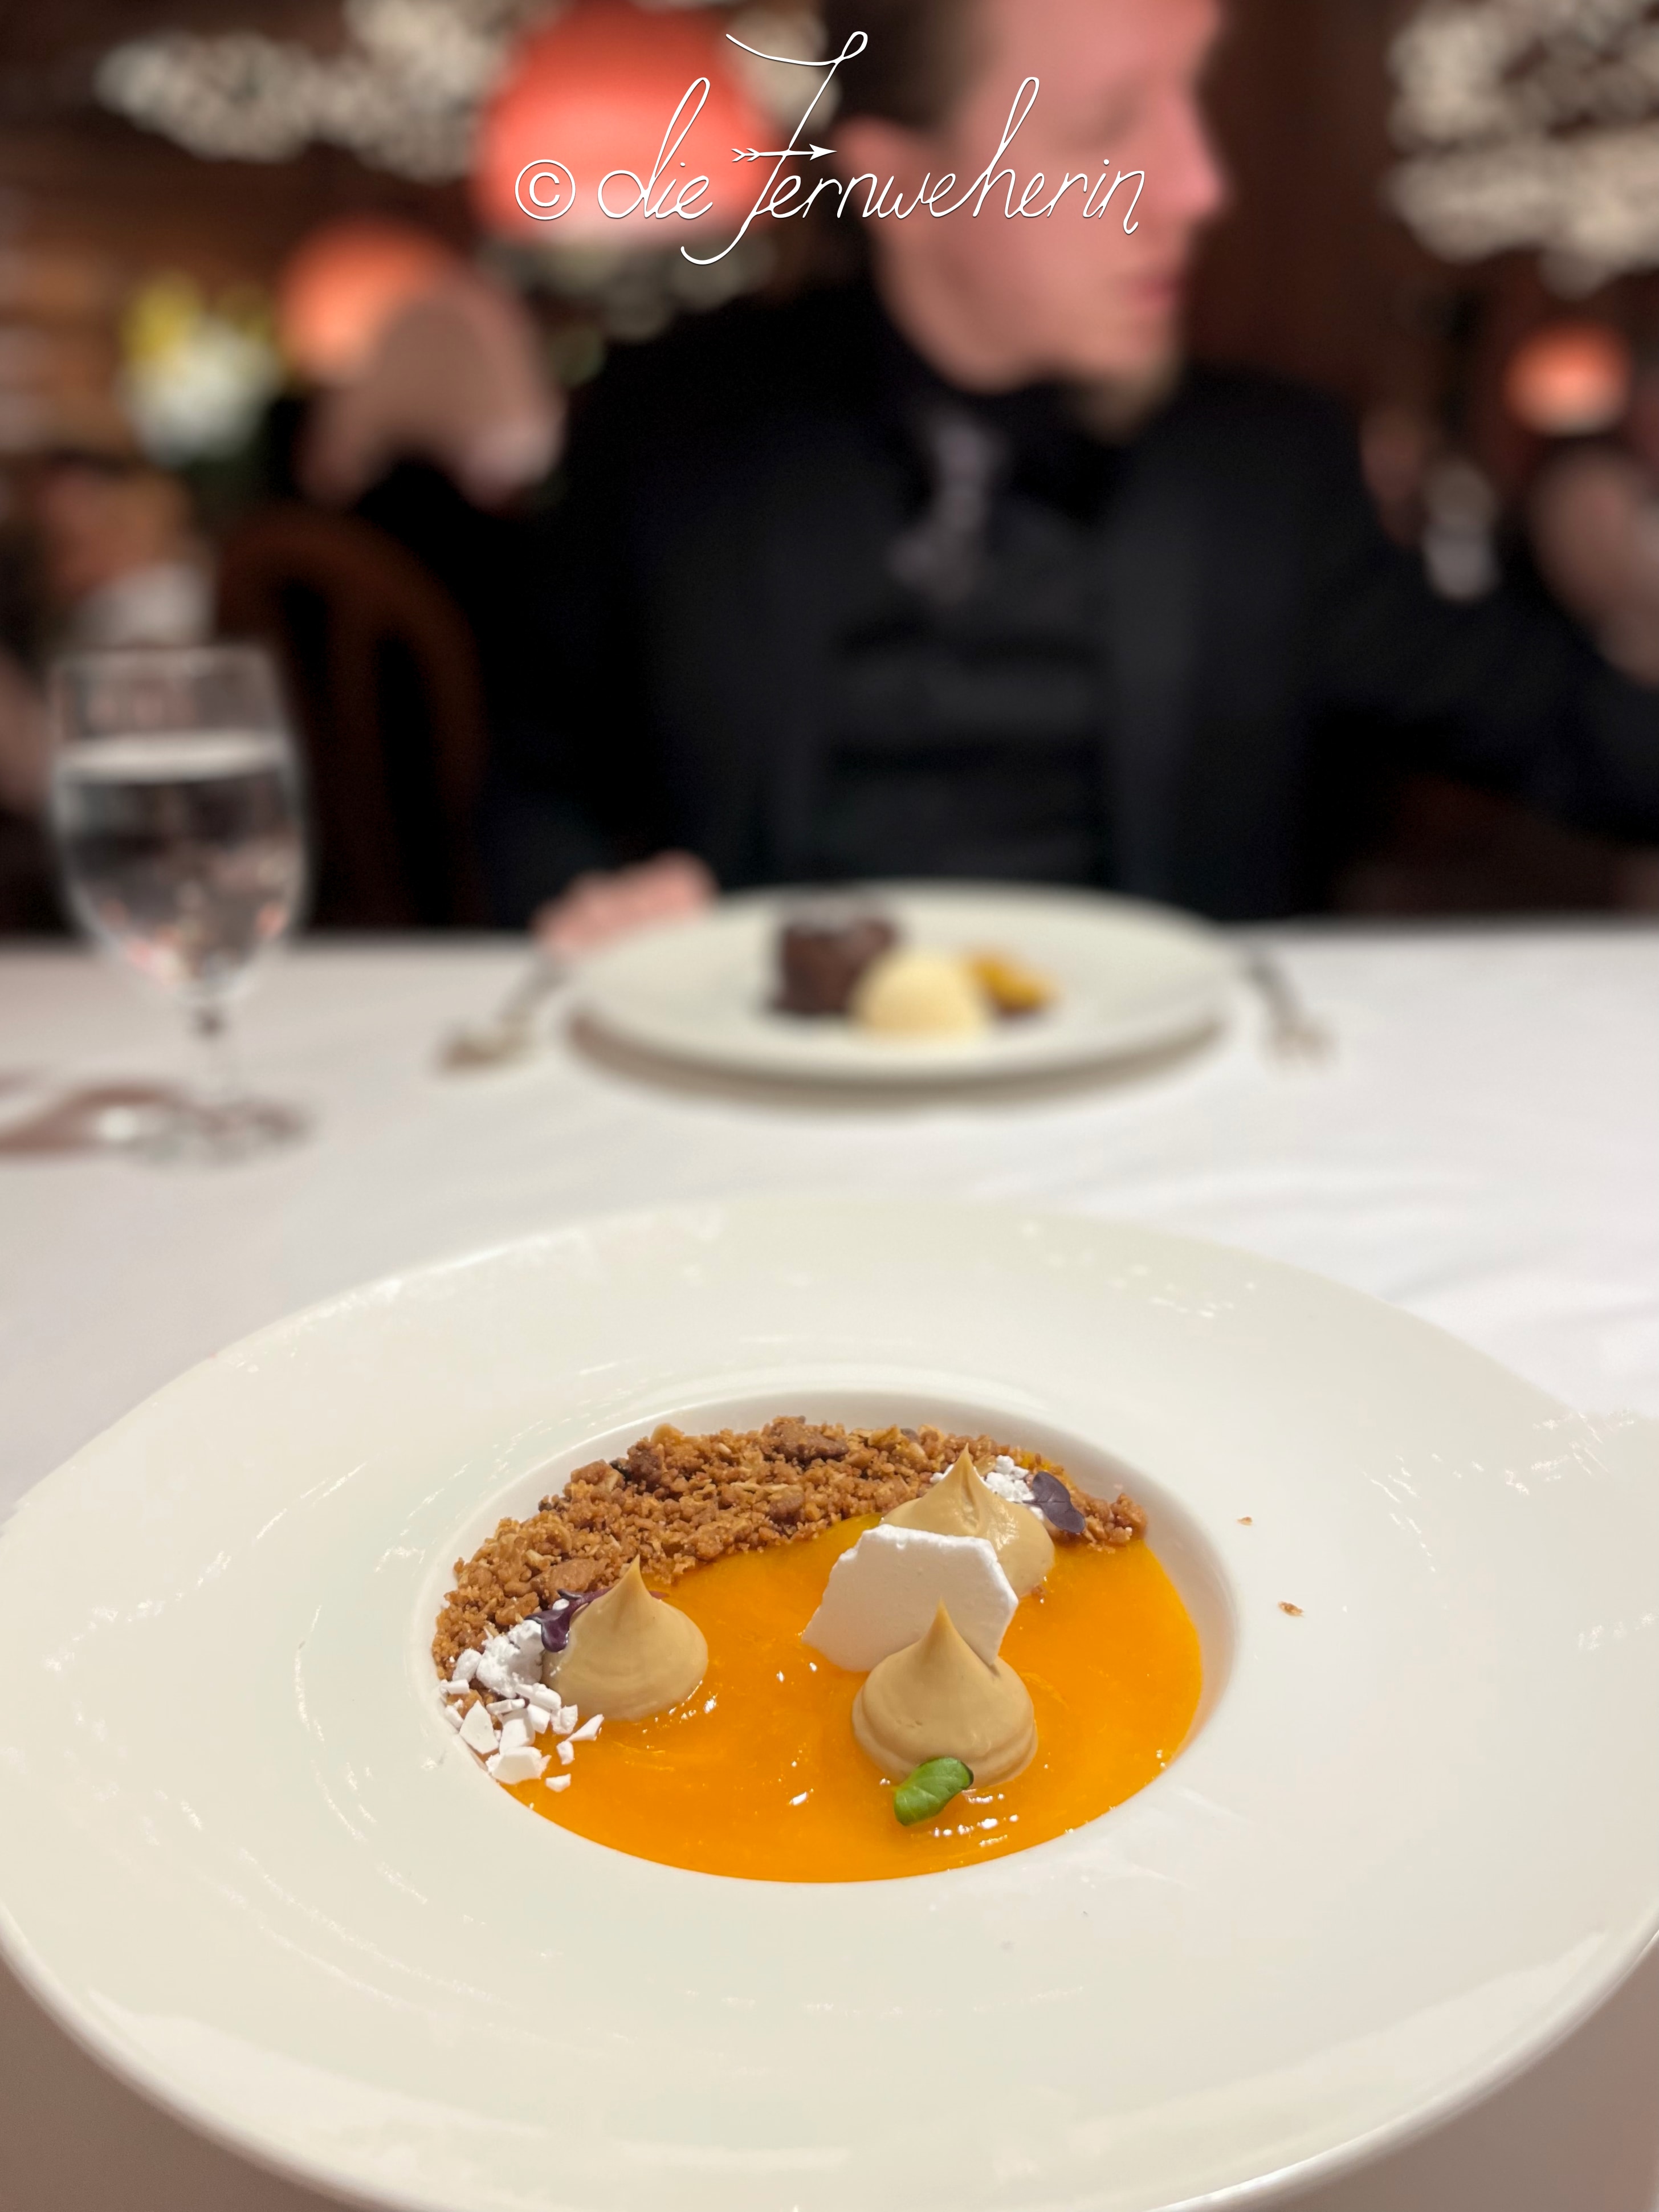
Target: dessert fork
510	1032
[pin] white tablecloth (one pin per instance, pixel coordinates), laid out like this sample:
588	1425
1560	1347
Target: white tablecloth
1482	1151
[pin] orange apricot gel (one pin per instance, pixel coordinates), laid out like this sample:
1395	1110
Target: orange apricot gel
758	1775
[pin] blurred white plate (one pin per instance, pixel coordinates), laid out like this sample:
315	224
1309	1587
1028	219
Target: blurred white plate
1415	1837
1132	979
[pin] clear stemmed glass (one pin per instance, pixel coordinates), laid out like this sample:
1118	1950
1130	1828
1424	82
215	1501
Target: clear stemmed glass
175	808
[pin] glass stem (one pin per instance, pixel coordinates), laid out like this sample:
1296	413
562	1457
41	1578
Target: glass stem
221	1076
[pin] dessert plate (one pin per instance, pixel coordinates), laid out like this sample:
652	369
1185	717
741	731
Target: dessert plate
1413	1837
1131	979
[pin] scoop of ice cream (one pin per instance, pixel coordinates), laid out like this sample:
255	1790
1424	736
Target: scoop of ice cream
917	993
962	1506
630	1654
939	1699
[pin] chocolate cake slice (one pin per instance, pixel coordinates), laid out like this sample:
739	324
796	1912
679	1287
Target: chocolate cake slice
820	960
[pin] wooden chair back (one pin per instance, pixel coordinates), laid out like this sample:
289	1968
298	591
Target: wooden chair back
383	673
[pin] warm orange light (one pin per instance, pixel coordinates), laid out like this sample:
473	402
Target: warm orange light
595	92
1570	380
342	285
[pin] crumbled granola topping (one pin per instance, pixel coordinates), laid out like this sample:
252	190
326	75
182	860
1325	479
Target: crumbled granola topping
674	1502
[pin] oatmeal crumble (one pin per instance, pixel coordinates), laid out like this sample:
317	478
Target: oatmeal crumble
675	1502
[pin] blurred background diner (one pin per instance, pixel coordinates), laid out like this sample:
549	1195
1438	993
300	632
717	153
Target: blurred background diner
283	355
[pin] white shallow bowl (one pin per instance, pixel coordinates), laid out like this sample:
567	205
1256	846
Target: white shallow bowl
1132	979
1414	1838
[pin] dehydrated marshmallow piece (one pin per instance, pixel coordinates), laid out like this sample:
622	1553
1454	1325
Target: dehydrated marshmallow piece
535	1719
466	1666
454	1689
883	1595
557	1781
503	1706
453	1715
535	1694
515	1736
566	1754
588	1730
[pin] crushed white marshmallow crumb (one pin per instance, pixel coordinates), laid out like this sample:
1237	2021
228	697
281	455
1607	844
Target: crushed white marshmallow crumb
479	1731
557	1781
521	1765
507	1675
1007	1480
1004	1478
510	1664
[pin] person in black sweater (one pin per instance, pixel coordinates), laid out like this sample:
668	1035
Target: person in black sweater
960	572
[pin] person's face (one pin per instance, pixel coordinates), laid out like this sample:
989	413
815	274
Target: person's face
999	301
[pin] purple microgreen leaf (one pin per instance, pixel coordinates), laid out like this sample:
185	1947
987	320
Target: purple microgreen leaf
555	1620
1055	1503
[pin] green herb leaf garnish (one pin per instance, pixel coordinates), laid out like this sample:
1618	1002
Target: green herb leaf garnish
930	1790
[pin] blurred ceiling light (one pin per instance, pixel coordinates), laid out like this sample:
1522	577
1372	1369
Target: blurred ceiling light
344	284
594	92
403	91
1532	123
1570	380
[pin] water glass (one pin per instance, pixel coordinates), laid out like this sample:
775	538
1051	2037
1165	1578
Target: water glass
176	813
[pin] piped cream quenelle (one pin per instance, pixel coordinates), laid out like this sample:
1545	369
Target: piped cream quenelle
962	1506
939	1699
630	1654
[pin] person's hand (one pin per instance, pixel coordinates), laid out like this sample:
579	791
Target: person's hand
599	909
1595	531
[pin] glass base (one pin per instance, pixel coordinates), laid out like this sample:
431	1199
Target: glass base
212	1132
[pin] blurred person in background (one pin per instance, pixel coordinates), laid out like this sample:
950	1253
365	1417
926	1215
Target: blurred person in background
104	552
121	562
113	560
962	572
449	418
1595	511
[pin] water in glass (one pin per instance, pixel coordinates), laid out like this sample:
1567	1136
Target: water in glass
182	851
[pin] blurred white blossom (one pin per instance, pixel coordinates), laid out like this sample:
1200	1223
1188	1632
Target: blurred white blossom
195	378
